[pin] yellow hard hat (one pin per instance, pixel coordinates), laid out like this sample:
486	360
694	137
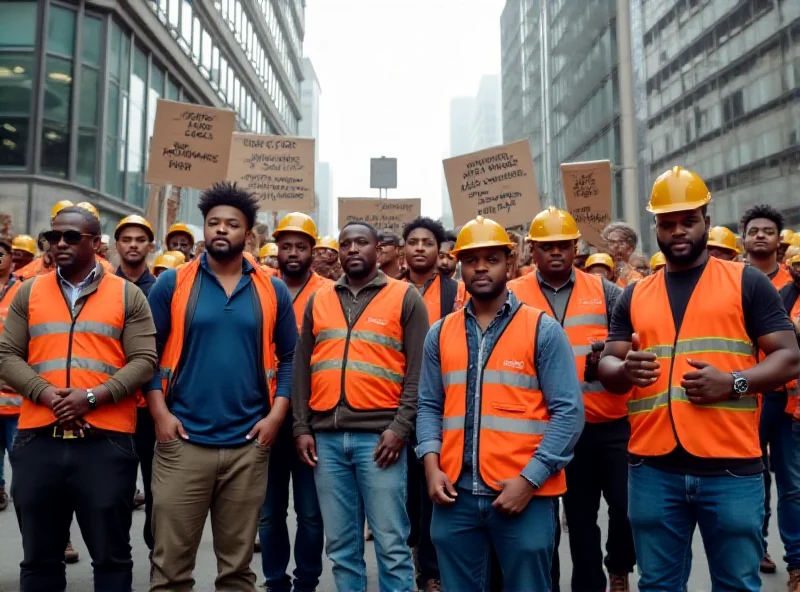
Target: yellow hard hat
600	259
179	227
553	225
327	242
722	238
87	206
179	257
134	220
64	203
795	241
268	250
657	261
481	233
678	190
793	260
297	222
786	236
792	255
166	260
23	242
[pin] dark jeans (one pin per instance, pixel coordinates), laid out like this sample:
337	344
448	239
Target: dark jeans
145	439
94	477
420	510
600	467
309	540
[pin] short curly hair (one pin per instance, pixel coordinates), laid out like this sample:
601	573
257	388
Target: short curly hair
761	211
228	194
434	226
627	231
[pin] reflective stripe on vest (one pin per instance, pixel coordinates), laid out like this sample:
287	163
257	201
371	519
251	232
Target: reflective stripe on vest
513	414
713	331
81	353
365	359
10	402
585	322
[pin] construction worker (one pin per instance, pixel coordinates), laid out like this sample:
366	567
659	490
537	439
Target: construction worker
683	344
600	264
77	345
23	249
582	303
215	415
165	261
326	258
180	238
102	246
640	264
786	241
295	237
657	261
447	263
10	401
621	240
488	394
268	255
722	244
761	228
354	400
389	247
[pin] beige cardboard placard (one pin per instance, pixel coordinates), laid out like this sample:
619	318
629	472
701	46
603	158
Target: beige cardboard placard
383	214
190	146
587	189
497	183
278	170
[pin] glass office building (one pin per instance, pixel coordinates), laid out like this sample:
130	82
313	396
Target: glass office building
79	84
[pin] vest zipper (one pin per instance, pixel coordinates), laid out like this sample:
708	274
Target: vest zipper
476	424
669	389
350	322
73	317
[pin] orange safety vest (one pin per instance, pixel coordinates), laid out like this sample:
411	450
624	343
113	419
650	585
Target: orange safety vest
793	387
781	278
33	269
363	362
9	401
461	296
300	301
270	271
585	321
184	281
81	352
513	414
713	331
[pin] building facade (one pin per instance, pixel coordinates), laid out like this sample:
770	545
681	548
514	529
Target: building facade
462	114
327	221
79	82
487	114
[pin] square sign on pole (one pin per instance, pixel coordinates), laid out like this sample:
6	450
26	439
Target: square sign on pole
383	173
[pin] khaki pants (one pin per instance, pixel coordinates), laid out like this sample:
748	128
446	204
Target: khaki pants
190	480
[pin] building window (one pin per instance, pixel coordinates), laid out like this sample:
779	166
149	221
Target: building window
136	130
88	118
117	111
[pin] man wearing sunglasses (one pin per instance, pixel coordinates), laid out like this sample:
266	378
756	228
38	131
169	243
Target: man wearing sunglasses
77	345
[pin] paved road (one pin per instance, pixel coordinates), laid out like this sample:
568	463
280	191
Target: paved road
80	575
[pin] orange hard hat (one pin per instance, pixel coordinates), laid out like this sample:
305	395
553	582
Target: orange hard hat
722	238
553	225
678	190
600	259
134	220
481	233
657	261
297	222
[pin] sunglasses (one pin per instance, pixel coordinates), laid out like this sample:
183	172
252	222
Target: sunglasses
71	237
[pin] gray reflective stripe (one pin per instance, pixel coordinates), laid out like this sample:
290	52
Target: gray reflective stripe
94	327
367	336
679	394
661	351
715	345
166	373
77	364
10	402
453	423
456	377
592	387
581	350
586	319
529	427
270	373
648	404
512	379
358	366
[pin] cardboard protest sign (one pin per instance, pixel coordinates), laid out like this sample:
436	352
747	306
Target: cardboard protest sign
498	183
383	214
278	170
587	189
190	146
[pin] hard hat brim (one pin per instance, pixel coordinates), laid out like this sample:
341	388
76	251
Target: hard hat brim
122	227
180	231
483	245
721	246
678	207
553	238
25	249
294	229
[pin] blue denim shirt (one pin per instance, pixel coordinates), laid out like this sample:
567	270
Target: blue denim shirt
558	380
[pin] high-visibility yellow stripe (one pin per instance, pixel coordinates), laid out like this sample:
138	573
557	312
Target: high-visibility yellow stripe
93	327
358	366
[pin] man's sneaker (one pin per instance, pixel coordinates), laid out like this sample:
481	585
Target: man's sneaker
3	499
618	583
433	585
794	580
70	554
767	565
138	500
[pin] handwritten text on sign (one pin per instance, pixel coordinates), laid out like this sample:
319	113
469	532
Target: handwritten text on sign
587	189
383	214
279	170
190	145
498	183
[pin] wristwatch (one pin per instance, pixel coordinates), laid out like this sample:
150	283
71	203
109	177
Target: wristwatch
92	399
740	385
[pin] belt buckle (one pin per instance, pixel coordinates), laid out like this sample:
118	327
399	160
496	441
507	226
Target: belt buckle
65	434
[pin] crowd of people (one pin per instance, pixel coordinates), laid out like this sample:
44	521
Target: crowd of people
439	392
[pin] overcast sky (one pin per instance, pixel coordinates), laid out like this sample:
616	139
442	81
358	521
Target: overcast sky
388	69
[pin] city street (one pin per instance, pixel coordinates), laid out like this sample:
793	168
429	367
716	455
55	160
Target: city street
79	576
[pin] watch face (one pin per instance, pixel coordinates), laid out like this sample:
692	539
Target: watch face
740	385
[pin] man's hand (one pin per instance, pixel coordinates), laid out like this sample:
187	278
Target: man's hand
592	360
169	427
50	395
707	384
388	449
306	449
640	368
515	496
265	430
440	489
72	405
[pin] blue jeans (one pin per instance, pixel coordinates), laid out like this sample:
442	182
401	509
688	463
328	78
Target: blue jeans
8	429
664	509
783	437
285	465
464	532
349	483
